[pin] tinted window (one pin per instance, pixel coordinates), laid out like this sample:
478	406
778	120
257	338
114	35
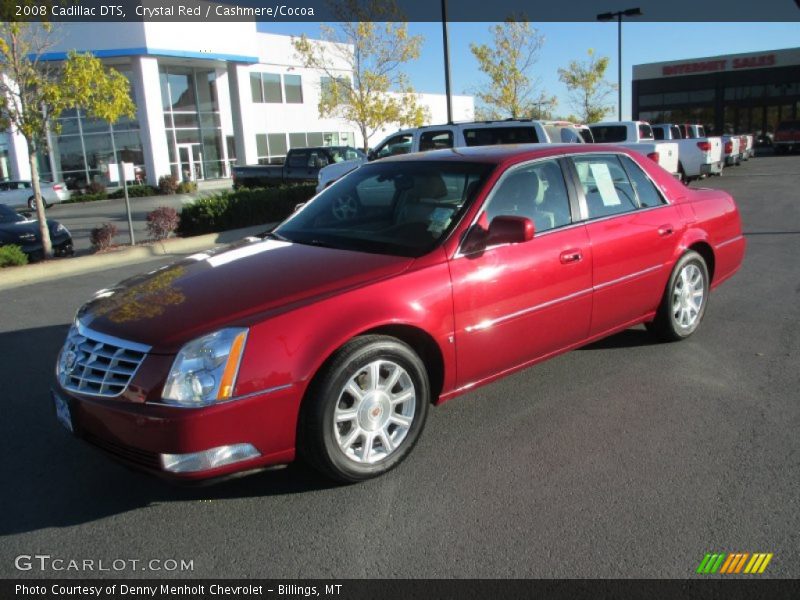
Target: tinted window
645	190
676	133
788	125
658	133
489	136
586	134
609	133
294	89
435	140
535	191
298	159
398	144
606	186
272	87
645	131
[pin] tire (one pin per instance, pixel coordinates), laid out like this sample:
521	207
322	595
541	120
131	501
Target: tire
32	203
682	175
680	313
351	429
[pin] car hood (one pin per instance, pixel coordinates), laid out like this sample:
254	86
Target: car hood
238	285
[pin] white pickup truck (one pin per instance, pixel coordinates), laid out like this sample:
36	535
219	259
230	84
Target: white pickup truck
732	149
437	137
697	157
638	136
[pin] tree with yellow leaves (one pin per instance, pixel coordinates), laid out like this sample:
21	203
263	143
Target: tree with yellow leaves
588	87
34	93
512	90
373	51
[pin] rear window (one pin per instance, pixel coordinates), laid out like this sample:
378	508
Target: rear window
787	125
490	136
608	133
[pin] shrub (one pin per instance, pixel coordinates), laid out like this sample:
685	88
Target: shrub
134	191
162	222
102	237
167	184
187	187
94	187
12	256
242	208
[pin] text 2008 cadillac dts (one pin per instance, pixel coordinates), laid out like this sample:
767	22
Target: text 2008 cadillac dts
406	283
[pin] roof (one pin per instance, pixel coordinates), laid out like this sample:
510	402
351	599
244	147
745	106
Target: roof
503	153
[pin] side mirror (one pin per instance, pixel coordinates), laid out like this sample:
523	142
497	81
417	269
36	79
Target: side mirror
509	230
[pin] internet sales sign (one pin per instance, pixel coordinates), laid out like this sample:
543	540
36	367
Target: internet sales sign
723	64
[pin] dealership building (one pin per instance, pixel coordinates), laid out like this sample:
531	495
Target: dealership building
208	95
735	93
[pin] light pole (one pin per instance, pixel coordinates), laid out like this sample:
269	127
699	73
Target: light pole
447	64
608	16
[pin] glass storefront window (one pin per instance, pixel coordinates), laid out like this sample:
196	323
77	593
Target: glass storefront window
277	144
207	91
185	120
297	140
129	147
261	145
94	126
181	88
68	126
256	89
315	139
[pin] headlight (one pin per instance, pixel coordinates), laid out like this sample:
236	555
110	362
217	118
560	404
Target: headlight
205	369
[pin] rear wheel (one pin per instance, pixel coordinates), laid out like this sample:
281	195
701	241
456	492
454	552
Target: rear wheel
32	203
365	410
685	300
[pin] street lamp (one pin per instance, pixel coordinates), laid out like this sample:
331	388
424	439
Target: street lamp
608	16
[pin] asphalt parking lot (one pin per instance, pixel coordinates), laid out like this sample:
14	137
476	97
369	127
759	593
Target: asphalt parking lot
626	458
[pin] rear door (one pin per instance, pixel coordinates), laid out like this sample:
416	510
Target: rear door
633	232
514	303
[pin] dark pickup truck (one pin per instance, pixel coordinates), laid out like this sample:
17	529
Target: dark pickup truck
302	165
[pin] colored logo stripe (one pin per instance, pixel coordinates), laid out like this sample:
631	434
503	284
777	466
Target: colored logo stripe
734	563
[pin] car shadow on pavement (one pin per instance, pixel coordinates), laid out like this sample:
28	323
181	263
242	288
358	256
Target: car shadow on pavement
629	338
52	479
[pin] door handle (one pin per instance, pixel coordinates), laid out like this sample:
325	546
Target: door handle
665	230
571	256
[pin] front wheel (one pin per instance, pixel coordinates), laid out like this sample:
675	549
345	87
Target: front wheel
365	410
685	300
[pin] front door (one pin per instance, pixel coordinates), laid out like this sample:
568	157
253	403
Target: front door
190	157
518	302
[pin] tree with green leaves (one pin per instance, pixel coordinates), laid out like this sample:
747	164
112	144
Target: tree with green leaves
34	93
588	87
374	51
512	90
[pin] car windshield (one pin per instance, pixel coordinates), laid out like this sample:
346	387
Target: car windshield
8	215
401	208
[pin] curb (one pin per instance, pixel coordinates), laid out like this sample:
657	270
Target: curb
62	267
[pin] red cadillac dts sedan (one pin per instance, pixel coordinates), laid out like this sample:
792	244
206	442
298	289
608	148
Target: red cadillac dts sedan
406	283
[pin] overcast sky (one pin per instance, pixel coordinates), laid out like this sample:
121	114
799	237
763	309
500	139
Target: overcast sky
642	43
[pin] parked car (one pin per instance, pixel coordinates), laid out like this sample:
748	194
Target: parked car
19	194
22	231
329	338
747	146
302	165
564	131
787	137
333	172
638	136
697	157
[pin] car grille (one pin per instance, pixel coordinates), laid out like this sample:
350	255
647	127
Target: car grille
98	365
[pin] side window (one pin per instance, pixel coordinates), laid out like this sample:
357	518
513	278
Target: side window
645	132
435	140
605	184
658	133
298	159
489	136
398	144
317	160
535	191
676	133
645	190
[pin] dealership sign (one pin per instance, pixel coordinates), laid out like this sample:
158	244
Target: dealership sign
716	64
725	64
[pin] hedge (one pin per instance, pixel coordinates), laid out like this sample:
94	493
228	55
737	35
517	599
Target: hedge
242	208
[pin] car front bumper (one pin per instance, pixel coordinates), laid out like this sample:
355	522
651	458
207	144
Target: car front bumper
148	436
